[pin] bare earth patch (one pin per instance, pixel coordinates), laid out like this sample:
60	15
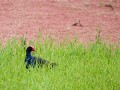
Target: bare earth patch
60	19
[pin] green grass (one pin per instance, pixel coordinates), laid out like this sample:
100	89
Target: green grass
92	67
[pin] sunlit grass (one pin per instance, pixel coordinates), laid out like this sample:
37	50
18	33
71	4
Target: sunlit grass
92	67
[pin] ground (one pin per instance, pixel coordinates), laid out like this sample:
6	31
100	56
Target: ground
60	19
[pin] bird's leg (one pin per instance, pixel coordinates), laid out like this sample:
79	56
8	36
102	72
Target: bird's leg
27	66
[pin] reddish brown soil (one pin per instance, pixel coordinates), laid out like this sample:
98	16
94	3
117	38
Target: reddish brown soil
60	19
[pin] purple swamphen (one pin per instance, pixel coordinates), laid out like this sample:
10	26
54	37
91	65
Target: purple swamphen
31	60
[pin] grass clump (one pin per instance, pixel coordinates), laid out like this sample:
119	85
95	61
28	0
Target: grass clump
95	67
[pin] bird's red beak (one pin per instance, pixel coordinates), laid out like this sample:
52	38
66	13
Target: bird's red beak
33	49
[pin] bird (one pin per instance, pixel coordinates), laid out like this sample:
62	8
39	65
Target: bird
33	61
77	24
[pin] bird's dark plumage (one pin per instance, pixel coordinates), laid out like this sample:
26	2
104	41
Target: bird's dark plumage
31	60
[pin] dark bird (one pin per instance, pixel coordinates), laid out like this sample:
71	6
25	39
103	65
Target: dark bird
31	60
77	24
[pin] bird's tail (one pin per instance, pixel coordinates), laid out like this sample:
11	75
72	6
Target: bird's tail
53	64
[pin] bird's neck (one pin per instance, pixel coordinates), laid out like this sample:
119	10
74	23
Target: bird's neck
28	54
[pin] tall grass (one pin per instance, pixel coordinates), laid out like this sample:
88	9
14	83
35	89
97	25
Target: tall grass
92	67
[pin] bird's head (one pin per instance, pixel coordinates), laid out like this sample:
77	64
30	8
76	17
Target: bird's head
30	48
